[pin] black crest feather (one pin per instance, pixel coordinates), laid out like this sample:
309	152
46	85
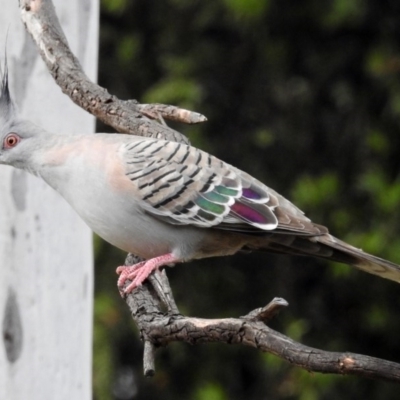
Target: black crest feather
5	92
6	105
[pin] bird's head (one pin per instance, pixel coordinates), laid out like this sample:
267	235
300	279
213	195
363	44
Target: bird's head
17	136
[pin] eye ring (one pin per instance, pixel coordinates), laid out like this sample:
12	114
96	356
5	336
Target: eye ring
11	140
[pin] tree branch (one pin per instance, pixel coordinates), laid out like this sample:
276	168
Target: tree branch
41	22
159	329
152	305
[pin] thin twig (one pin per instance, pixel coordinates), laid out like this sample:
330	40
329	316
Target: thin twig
172	113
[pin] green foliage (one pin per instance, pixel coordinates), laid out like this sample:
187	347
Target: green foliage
114	6
385	194
304	95
344	13
247	9
377	317
382	60
177	87
128	47
341	271
312	192
296	329
103	373
210	391
174	91
263	138
378	142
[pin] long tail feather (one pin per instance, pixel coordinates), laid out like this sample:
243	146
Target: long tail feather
328	247
343	252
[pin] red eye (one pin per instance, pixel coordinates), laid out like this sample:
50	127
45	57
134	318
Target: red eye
11	140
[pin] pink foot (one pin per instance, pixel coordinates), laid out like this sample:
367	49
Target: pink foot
139	272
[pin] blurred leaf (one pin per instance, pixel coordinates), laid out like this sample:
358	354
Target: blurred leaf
263	138
106	311
395	103
211	391
377	317
296	329
97	244
182	92
383	61
305	385
114	6
385	195
178	66
344	12
393	247
103	366
127	48
273	362
311	192
374	181
247	8
105	316
377	141
340	270
372	242
340	219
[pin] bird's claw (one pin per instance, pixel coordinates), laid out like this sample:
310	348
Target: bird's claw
134	273
139	272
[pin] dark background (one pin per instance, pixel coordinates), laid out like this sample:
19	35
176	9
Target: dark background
305	96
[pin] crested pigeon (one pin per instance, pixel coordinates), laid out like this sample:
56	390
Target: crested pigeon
167	202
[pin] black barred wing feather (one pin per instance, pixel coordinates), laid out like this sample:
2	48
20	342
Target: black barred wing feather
184	185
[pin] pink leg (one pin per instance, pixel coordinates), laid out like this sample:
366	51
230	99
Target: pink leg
139	272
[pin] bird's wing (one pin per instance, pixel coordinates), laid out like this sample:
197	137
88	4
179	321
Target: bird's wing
182	185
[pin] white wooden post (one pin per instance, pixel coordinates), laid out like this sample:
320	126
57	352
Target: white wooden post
46	277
